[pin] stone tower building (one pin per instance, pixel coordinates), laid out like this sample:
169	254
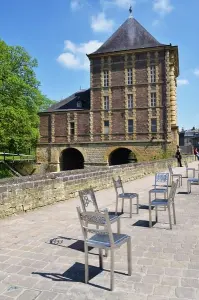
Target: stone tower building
129	112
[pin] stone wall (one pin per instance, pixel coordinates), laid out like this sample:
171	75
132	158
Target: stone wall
26	193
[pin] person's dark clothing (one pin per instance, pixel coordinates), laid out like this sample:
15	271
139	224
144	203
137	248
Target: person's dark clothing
179	158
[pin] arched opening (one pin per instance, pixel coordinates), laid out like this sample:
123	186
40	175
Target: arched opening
71	159
121	156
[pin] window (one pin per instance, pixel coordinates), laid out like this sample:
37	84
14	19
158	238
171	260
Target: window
106	127
153	99
106	79
72	128
106	102
130	126
153	125
130	77
153	74
130	101
79	104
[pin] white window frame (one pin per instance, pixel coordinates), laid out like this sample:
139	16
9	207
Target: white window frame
79	104
130	126
153	99
106	78
153	73
154	125
106	127
106	102
130	76
130	101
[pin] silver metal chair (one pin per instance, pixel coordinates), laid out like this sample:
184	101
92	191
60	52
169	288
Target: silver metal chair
102	239
161	185
192	181
173	175
164	202
89	203
189	169
120	194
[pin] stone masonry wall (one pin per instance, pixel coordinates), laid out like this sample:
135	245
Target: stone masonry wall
26	193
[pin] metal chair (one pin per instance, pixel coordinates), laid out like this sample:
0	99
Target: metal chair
123	195
189	169
190	182
161	184
173	175
164	202
102	239
89	203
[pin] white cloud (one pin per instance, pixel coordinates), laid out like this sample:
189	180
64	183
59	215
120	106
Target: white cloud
100	23
74	55
183	82
162	7
196	72
155	22
75	5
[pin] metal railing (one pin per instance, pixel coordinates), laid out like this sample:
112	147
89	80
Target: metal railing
15	157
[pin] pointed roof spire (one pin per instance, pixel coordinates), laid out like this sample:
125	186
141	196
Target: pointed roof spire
131	12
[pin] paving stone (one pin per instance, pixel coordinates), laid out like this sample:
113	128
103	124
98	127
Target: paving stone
47	296
13	291
29	295
190	282
182	292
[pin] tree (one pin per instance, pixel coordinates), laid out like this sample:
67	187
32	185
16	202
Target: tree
20	99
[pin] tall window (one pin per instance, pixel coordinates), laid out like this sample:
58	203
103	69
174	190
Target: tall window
130	101
153	125
153	74
130	126
130	76
106	127
106	102
72	128
106	78
153	99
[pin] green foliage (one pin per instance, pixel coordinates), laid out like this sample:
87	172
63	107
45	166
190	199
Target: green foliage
20	100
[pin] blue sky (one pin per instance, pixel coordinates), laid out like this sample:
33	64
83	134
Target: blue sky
60	32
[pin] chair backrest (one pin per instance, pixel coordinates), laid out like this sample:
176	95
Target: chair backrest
170	169
173	190
118	185
88	219
162	179
186	164
88	200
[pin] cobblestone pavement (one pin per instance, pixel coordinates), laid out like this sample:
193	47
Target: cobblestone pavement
41	252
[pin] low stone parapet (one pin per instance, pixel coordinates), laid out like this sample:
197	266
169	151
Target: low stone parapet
30	192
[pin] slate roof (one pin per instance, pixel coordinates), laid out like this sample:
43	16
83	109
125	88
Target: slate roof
130	35
82	95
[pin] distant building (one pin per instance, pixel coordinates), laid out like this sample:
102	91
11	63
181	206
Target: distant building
189	137
129	112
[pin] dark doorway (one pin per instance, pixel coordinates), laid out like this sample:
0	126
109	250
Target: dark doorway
71	159
121	156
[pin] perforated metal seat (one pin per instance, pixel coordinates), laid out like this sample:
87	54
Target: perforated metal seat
192	181
104	241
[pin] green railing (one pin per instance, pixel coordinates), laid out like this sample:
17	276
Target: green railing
15	157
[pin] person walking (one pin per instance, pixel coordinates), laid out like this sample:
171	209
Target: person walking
196	153
179	157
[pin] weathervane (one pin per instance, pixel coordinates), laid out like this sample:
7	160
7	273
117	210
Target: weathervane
131	12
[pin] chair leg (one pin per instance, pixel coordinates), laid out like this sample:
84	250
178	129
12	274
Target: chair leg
86	262
174	213
101	259
118	225
137	204
150	217
106	253
169	213
156	214
187	173
116	207
165	195
181	180
187	187
129	256
122	205
112	269
131	207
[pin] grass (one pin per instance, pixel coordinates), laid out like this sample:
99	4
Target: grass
4	173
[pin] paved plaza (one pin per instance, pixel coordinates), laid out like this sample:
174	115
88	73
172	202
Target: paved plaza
42	256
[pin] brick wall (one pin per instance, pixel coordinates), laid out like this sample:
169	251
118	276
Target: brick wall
26	193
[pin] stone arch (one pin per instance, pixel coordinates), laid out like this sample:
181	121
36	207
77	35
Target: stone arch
71	159
120	156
